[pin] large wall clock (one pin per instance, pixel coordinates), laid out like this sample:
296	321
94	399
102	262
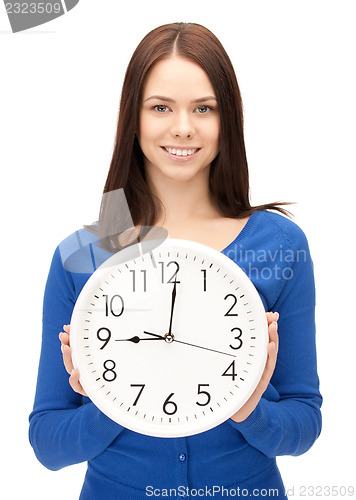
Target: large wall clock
169	342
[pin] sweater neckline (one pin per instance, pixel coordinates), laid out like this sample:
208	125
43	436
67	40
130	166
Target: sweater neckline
244	231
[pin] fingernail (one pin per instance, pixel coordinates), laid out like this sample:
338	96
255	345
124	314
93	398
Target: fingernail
72	372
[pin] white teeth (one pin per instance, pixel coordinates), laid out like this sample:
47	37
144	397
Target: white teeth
181	152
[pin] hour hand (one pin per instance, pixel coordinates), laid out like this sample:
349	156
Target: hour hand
160	337
136	339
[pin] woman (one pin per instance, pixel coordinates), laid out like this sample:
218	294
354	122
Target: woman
180	158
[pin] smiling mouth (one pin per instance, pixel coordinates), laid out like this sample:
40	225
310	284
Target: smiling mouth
180	152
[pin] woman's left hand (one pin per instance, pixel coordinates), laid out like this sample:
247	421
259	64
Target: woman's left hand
272	351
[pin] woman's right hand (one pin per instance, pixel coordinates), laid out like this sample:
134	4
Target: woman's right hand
68	363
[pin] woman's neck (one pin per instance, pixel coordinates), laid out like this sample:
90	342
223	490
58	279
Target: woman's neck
184	202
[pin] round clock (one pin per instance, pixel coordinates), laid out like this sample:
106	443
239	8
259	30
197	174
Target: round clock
169	342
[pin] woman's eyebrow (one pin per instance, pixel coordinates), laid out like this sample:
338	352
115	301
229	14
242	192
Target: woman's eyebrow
208	98
169	99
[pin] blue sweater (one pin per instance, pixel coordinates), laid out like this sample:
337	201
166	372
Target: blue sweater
66	428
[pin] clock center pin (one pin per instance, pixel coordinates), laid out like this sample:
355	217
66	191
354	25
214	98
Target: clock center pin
169	337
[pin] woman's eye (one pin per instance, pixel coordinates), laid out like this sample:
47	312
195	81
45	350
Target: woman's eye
203	109
161	108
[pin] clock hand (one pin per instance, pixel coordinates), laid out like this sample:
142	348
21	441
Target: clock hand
206	348
170	338
174	293
161	337
136	339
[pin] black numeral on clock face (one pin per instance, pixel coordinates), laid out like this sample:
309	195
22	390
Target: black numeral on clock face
230	371
229	313
139	392
207	395
170	407
143	271
238	338
104	335
109	374
173	278
115	305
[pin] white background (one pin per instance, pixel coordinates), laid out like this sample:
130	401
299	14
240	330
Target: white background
59	94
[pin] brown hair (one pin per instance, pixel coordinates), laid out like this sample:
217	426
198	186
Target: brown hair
229	178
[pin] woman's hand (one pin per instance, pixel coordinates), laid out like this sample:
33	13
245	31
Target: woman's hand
67	360
272	351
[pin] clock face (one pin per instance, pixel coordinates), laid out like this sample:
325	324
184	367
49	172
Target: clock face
171	342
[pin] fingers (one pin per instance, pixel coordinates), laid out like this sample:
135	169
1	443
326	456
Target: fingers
65	347
64	336
272	319
67	358
68	363
75	384
273	333
272	316
272	351
269	368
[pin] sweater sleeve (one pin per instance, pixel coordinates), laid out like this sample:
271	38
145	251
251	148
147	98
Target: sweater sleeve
287	419
65	428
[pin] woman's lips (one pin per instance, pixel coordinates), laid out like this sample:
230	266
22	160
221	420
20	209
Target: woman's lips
180	154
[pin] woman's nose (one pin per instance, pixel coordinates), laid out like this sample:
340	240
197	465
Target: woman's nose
182	125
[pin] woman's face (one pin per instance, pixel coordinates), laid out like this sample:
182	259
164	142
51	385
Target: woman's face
179	121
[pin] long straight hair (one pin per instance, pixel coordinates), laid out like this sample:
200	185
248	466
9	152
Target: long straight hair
229	177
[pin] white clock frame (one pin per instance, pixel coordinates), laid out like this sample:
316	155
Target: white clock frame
198	351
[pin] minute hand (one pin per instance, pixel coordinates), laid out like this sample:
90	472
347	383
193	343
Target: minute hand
206	348
192	345
174	294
